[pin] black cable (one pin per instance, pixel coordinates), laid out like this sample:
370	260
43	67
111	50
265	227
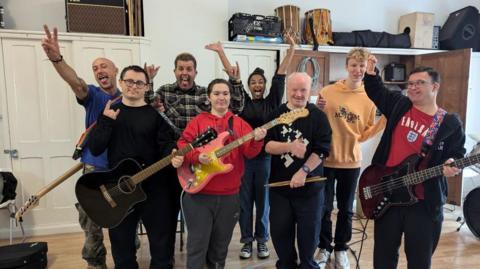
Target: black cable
363	232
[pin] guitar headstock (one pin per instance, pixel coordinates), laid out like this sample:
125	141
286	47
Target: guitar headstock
205	137
289	117
31	202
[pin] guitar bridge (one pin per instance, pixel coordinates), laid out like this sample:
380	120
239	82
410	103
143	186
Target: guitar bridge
107	196
366	193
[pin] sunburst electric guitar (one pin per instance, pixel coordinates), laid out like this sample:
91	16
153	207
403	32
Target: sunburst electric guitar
109	196
194	177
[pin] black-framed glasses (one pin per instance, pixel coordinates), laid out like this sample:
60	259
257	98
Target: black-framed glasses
418	83
139	83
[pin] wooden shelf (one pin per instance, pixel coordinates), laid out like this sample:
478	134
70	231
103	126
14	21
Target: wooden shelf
330	49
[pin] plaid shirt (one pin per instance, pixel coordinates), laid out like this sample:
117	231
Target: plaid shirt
181	106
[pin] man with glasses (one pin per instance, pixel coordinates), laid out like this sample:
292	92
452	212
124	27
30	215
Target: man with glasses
415	125
134	129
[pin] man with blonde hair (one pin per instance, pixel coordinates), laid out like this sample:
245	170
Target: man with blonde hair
352	117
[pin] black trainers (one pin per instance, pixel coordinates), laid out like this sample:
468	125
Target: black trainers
246	251
262	250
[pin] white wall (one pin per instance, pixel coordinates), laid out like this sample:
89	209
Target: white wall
184	26
178	26
348	15
31	15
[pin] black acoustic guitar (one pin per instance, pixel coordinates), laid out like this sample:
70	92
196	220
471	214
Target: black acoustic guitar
382	187
108	196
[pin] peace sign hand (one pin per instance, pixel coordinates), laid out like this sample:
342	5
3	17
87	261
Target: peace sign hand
50	43
112	114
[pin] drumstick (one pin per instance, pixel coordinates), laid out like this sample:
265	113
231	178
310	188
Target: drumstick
287	182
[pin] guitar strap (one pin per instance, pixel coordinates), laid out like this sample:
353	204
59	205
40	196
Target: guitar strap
432	131
230	127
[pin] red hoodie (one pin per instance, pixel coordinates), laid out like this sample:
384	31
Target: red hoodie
229	183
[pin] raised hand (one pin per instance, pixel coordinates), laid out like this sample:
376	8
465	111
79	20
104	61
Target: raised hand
290	40
233	72
151	70
321	102
217	47
110	112
298	148
158	105
50	43
371	62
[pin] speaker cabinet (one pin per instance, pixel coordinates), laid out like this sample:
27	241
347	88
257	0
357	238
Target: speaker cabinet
461	30
96	16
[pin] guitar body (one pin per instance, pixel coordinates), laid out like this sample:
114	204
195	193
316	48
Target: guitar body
107	196
193	178
375	187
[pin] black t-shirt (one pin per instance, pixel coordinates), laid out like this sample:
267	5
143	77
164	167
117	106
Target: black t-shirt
316	133
139	133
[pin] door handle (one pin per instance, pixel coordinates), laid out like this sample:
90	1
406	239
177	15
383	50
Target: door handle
13	153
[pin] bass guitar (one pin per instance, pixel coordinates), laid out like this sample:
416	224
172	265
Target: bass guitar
194	177
33	200
108	196
382	187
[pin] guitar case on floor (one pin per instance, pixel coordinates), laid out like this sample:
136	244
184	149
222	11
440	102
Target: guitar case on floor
24	256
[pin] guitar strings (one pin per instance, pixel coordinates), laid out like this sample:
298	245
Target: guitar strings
428	173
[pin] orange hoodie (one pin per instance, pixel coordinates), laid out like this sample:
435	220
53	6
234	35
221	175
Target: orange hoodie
352	117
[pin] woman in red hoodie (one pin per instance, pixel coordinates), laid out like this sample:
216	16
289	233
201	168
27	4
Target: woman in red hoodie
212	213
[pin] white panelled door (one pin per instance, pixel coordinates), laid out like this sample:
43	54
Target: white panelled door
41	125
44	121
248	60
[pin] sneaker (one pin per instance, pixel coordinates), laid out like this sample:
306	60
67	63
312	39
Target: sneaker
246	251
262	250
341	260
322	257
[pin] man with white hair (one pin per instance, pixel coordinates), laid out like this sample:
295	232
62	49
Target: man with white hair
297	151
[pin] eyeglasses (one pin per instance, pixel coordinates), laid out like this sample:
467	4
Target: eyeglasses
130	82
417	83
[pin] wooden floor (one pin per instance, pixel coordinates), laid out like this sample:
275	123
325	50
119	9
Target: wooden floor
456	250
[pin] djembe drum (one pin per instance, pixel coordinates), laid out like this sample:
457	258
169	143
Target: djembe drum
290	18
322	27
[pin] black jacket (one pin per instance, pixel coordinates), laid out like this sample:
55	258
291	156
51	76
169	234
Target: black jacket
448	142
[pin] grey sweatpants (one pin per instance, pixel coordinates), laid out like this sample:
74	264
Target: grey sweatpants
210	222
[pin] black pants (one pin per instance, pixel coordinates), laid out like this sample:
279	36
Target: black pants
421	237
154	214
174	195
345	193
295	215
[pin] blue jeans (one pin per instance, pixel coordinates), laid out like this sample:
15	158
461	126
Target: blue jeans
253	190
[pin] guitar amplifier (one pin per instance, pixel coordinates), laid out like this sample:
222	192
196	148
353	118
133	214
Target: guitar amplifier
96	16
253	25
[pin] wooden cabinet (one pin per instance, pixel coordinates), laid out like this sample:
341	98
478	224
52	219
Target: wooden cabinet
42	121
